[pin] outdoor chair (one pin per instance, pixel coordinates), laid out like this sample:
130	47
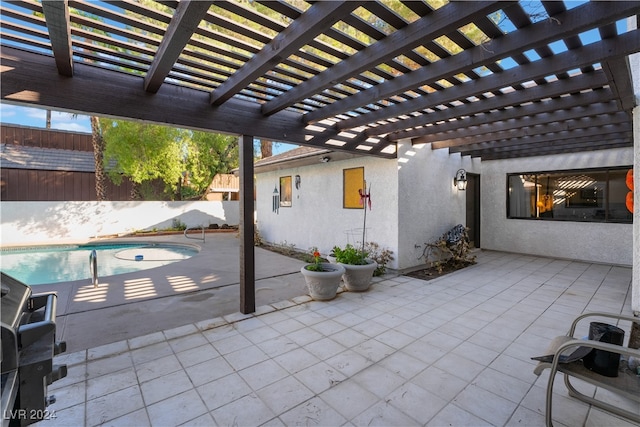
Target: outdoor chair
566	355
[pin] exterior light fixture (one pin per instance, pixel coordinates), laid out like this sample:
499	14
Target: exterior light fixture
325	159
460	180
298	181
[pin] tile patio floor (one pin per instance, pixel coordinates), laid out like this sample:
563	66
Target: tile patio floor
451	351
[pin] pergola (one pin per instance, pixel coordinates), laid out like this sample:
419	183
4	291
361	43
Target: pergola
492	79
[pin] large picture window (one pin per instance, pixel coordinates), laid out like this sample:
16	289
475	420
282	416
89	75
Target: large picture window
589	195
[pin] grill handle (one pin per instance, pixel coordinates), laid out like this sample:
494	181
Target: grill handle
31	332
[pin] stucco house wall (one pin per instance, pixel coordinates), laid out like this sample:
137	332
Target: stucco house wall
413	197
429	204
317	218
589	241
415	202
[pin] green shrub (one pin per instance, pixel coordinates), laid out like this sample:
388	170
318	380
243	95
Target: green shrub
350	255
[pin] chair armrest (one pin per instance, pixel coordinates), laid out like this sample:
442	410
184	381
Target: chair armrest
598	345
599	314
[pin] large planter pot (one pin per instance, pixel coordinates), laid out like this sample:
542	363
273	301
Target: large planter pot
323	285
357	278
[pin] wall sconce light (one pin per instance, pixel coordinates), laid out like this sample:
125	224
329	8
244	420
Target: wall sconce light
325	159
297	182
460	180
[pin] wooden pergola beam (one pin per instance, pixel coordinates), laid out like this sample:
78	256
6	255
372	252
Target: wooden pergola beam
183	24
247	247
56	14
584	136
403	40
537	34
300	32
547	123
479	123
604	144
622	45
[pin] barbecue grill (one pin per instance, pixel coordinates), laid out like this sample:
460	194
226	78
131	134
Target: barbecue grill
28	347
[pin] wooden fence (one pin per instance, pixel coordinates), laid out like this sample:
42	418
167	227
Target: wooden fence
52	185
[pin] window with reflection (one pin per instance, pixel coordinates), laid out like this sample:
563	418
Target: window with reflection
590	195
285	191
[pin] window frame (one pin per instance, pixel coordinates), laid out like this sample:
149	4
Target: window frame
568	172
352	180
286	189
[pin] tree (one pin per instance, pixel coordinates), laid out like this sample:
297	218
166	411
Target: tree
98	156
165	163
207	154
143	153
266	148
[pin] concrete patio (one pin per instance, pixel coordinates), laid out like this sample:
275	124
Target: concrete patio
451	351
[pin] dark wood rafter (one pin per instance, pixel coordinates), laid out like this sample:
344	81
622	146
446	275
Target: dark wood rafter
183	24
552	125
56	14
492	131
358	87
409	37
619	74
541	33
531	142
297	34
623	45
484	122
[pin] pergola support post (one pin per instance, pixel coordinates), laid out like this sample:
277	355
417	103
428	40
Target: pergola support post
247	248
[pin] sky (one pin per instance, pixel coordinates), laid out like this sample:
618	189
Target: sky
37	117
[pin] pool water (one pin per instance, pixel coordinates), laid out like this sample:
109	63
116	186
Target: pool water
54	264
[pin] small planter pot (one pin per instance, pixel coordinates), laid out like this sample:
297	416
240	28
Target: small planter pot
323	285
357	278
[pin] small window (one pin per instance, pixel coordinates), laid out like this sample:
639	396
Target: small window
285	191
353	181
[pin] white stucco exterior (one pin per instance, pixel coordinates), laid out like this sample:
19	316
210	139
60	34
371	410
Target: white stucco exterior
587	241
60	222
316	217
414	201
634	61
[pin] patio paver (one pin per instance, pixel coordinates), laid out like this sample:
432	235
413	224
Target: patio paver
451	351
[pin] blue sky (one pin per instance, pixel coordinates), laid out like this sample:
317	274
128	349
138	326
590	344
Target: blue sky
36	117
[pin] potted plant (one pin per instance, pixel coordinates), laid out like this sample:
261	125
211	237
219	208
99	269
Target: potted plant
322	278
358	268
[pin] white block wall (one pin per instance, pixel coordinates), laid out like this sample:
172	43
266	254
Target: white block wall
60	222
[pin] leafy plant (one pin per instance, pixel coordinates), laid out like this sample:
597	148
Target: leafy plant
316	261
350	255
177	224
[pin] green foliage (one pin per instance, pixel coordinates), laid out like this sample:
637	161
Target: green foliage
315	261
142	152
207	154
350	255
177	224
183	161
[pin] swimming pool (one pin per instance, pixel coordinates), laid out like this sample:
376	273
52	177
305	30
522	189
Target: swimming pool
63	263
